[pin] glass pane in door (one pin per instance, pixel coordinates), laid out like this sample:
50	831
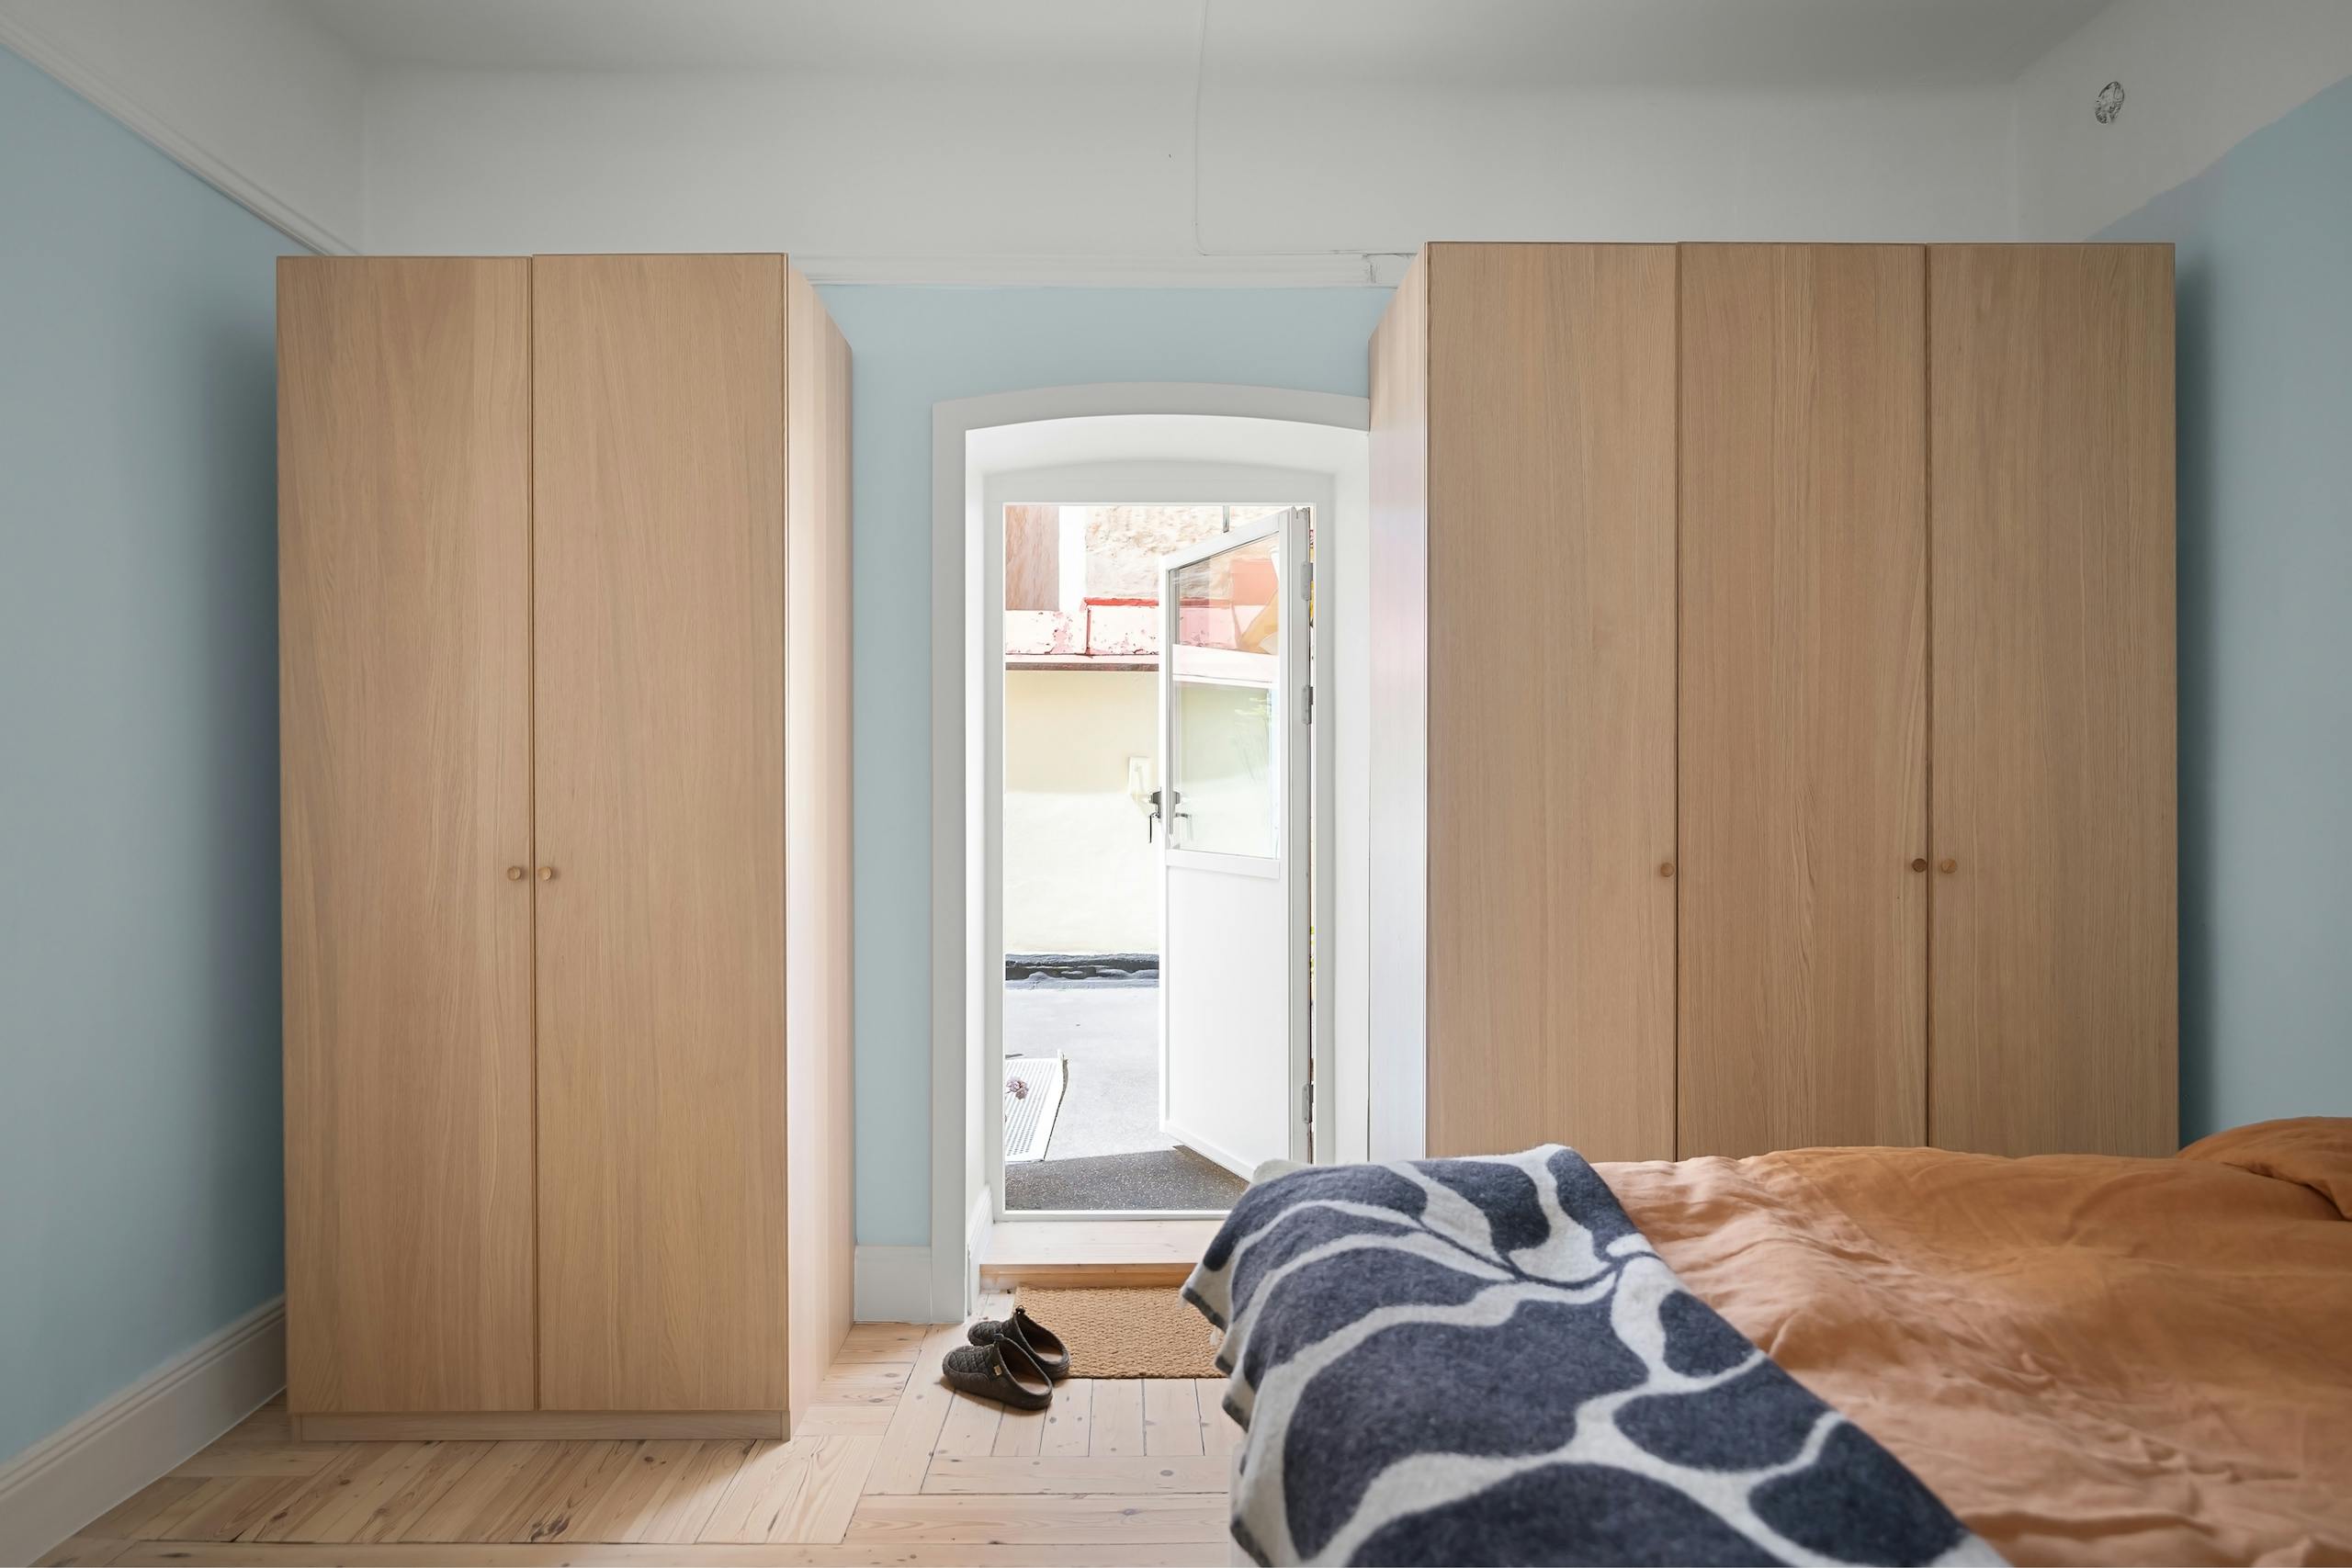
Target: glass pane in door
1224	671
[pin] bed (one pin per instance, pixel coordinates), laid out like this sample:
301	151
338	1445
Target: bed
2087	1359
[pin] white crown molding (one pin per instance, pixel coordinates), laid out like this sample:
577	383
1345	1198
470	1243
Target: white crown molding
76	1474
1179	270
201	161
1362	269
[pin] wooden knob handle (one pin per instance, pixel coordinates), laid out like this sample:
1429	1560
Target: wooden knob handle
514	874
547	874
1918	865
1947	866
1665	868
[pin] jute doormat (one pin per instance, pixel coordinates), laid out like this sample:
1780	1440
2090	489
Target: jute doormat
1128	1334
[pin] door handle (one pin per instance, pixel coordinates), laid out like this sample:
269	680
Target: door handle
1153	817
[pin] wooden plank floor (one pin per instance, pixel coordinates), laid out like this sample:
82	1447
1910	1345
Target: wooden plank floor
889	1467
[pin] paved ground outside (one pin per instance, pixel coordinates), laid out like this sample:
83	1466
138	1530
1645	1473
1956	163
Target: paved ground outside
1107	1150
1110	1033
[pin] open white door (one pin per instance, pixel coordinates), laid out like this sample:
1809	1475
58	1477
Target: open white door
1232	806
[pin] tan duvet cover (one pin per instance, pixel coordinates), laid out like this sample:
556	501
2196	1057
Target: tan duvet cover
2092	1360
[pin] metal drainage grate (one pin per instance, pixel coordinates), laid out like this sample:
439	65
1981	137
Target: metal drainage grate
1032	1096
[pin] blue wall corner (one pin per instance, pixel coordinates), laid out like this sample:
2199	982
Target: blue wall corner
139	910
2264	265
139	907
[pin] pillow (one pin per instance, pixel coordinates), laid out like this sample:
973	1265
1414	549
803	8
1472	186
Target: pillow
2313	1151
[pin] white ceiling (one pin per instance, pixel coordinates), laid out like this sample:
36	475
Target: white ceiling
1722	44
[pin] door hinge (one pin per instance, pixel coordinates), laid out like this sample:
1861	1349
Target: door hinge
1306	699
1306	1103
1306	583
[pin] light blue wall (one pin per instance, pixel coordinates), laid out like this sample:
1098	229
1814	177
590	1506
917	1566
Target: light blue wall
138	978
914	348
139	986
139	1106
2264	368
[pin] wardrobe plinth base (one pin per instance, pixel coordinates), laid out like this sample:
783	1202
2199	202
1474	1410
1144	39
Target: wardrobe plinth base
524	1426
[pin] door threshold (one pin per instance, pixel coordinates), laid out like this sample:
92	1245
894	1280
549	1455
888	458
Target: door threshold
1081	1253
1112	1217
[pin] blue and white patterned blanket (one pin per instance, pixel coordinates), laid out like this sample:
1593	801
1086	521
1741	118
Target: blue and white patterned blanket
1482	1361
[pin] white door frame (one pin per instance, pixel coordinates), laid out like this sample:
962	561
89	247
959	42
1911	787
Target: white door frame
1161	482
959	1208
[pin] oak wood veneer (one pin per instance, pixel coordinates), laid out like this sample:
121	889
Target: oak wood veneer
659	625
1079	1254
1803	759
404	659
521	1426
1547	525
1877	844
2055	1019
567	761
819	1088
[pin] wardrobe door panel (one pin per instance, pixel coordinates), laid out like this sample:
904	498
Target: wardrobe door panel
2054	965
404	418
1551	698
659	669
1802	762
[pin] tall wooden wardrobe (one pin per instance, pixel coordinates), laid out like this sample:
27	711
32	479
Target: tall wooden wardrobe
564	664
1776	709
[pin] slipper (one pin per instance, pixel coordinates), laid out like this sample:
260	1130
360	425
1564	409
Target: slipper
1002	1371
1045	1347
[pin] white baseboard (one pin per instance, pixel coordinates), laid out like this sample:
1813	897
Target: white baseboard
892	1285
980	1224
84	1468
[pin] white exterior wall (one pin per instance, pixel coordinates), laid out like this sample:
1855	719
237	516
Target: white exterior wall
1079	875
